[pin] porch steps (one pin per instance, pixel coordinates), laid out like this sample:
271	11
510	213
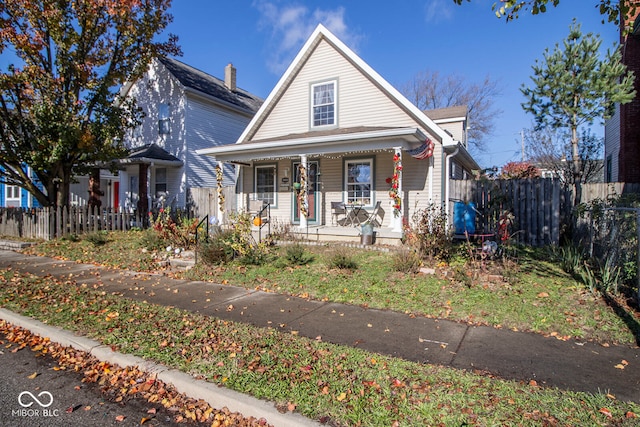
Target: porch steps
185	261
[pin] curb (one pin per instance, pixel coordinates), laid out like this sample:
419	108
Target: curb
217	397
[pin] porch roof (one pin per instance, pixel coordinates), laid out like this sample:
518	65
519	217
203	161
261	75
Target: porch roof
151	154
357	139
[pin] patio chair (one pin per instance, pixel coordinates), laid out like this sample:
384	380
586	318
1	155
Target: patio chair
338	210
377	215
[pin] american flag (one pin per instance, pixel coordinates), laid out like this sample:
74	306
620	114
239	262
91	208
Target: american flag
423	152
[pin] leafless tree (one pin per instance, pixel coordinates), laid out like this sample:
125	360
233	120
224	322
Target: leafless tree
430	90
551	150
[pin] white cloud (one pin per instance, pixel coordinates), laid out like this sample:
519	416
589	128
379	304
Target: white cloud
289	26
438	10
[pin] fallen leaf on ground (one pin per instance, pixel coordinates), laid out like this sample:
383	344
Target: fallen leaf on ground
32	376
120	418
606	412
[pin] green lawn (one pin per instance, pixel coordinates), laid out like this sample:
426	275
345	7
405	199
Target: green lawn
531	293
337	384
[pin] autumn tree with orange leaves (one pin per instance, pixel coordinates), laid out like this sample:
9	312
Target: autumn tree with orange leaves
59	106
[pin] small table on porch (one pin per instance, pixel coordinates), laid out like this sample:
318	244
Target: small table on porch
355	214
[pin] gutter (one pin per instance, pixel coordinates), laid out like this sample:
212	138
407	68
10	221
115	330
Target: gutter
298	143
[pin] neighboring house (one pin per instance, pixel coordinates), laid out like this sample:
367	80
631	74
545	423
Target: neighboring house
622	131
185	110
334	115
13	196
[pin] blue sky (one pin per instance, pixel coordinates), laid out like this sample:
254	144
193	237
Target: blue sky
398	39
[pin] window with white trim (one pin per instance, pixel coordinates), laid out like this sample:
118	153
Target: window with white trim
358	176
161	182
265	183
323	104
12	193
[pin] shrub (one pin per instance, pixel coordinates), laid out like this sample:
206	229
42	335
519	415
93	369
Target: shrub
611	276
406	260
588	277
216	250
151	240
255	255
281	230
97	239
297	254
71	238
431	233
174	228
342	259
571	259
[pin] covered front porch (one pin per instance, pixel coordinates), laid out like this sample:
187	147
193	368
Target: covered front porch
326	234
305	178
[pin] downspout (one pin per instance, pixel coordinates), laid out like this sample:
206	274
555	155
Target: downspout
431	170
447	189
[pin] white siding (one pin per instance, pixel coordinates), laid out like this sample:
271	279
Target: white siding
455	129
415	186
157	87
360	101
209	125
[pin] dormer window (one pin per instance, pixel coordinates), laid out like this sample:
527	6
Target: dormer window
323	104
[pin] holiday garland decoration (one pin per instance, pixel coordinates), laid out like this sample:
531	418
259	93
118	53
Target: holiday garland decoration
302	194
395	185
219	178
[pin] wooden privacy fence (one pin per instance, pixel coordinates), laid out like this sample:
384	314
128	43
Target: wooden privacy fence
539	207
49	223
542	208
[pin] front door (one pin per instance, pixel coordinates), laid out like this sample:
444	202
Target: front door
312	191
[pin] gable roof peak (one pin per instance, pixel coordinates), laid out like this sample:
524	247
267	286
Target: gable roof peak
318	34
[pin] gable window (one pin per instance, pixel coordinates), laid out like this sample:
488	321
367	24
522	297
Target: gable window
323	104
163	119
265	183
358	175
161	182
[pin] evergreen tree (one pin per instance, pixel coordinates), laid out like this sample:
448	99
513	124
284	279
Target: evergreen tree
572	87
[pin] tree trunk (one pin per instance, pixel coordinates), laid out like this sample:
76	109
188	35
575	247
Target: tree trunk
577	184
94	189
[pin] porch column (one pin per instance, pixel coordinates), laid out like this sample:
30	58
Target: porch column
219	209
303	195
143	191
396	221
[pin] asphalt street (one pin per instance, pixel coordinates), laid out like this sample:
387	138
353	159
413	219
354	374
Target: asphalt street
59	397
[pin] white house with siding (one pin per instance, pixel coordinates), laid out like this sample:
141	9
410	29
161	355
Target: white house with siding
334	120
185	110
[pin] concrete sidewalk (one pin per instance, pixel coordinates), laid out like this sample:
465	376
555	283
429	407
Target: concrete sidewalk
572	365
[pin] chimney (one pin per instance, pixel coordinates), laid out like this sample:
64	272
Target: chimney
230	77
